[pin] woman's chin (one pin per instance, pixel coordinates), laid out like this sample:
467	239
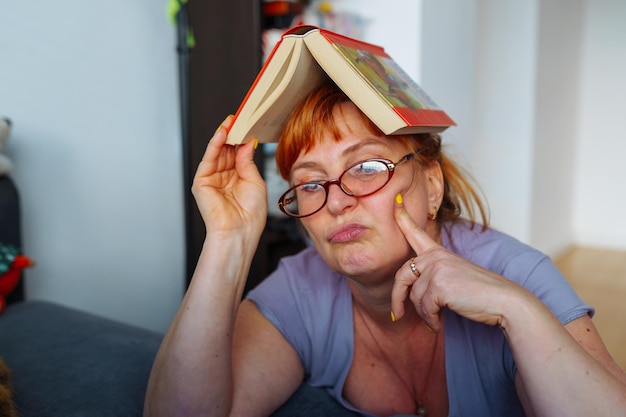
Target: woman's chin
357	263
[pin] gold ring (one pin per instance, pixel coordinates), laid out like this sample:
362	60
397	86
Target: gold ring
414	269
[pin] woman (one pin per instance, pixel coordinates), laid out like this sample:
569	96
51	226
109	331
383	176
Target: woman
400	307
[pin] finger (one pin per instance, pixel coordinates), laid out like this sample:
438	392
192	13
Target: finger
419	240
426	305
410	284
402	284
216	143
228	122
245	160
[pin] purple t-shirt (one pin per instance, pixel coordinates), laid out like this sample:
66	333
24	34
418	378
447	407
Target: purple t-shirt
311	305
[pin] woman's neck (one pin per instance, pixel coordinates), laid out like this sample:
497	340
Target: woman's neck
375	302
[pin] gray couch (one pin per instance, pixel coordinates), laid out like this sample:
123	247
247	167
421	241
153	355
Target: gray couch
68	363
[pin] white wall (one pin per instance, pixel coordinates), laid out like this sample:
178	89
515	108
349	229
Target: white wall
600	172
537	88
556	108
448	69
503	122
480	59
91	88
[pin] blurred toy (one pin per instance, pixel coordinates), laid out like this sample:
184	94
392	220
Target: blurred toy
5	129
11	265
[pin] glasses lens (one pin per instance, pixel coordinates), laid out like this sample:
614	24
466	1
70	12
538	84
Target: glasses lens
365	178
304	199
361	179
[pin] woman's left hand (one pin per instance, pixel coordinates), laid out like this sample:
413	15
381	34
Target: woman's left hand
444	279
542	348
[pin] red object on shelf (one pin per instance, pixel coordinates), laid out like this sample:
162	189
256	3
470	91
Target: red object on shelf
281	8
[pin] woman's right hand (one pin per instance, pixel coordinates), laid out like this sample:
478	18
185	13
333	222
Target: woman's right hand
228	188
232	199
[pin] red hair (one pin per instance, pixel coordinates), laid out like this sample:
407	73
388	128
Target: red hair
313	118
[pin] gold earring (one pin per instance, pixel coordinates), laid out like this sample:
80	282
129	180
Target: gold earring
433	215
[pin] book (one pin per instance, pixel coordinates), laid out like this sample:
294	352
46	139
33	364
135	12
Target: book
306	56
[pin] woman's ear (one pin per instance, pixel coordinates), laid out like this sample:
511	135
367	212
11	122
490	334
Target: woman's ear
434	181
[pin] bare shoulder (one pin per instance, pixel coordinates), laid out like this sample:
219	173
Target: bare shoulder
267	369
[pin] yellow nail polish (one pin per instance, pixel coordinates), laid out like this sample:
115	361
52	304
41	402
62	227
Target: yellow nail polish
393	316
230	116
256	143
399	199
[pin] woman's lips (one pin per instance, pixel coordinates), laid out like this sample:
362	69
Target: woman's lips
346	233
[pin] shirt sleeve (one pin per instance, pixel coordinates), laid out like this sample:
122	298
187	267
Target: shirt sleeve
543	279
311	306
520	263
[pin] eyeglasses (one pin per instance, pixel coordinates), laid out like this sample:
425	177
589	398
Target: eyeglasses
358	180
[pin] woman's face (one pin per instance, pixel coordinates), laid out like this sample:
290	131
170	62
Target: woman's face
358	237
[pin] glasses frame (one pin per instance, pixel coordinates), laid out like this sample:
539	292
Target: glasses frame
391	167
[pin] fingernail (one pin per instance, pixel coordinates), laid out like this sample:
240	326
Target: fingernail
430	329
399	198
256	143
393	316
230	116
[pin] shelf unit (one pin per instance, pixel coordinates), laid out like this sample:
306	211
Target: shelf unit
221	67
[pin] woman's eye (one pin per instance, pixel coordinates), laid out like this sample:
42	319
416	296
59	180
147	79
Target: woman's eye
367	168
310	187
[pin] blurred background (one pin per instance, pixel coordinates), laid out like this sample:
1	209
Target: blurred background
93	90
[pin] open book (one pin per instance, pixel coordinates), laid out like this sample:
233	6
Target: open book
304	57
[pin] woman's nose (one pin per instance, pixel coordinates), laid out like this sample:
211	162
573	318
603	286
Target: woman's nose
338	201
